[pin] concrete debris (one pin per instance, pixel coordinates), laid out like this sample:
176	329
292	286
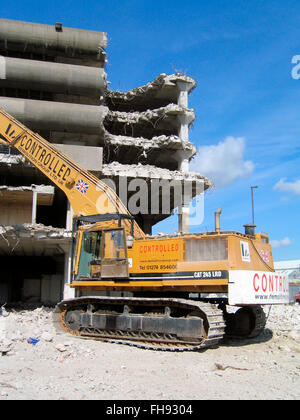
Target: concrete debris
13	159
160	142
3	311
148	124
150	115
24	323
37	231
140	125
45	189
268	365
21	188
60	347
151	172
164	89
283	320
4	350
46	336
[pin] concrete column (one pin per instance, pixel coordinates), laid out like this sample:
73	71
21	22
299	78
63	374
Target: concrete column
69	218
34	204
183	158
183	92
183	219
68	292
182	100
183	127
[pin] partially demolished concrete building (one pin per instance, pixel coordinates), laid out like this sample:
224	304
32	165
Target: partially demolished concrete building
53	80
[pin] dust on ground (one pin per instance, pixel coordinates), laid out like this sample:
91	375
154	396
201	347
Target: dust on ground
62	367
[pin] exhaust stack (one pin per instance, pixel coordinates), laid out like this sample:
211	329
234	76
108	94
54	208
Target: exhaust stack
217	220
250	229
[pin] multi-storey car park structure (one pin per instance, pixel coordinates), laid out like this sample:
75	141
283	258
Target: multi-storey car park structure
53	80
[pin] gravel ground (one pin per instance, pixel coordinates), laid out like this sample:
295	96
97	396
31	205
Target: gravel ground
62	367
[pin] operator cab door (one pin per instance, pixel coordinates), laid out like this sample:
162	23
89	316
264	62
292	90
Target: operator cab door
114	260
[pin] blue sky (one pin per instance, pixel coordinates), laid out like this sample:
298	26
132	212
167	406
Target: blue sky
247	103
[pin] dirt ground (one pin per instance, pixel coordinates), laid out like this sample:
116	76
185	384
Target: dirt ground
62	367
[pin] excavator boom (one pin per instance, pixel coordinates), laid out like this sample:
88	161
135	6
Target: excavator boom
86	193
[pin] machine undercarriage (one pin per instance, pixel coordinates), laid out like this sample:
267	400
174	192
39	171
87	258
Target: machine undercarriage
158	323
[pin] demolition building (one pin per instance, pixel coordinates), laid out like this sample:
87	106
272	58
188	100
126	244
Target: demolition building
53	80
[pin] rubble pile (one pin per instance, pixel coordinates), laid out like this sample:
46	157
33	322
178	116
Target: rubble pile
39	362
22	329
284	320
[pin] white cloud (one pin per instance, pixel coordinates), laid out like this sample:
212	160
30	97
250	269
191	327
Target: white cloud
292	187
224	162
282	242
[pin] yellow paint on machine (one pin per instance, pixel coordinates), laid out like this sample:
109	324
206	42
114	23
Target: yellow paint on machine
164	263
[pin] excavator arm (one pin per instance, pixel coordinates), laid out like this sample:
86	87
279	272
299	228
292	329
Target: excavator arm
87	194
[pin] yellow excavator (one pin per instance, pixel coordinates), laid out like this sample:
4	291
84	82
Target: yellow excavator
181	285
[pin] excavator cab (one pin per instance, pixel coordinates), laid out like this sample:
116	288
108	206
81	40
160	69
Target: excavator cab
101	253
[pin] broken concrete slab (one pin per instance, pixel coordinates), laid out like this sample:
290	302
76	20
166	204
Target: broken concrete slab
159	151
165	89
151	193
150	172
162	142
35	230
34	239
148	124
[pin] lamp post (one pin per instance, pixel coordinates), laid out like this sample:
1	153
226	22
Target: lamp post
252	188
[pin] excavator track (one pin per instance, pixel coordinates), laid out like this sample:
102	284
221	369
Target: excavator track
167	324
246	322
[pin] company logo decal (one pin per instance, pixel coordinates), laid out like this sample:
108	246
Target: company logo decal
245	251
82	186
265	256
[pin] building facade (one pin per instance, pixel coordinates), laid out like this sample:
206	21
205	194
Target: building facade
53	80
